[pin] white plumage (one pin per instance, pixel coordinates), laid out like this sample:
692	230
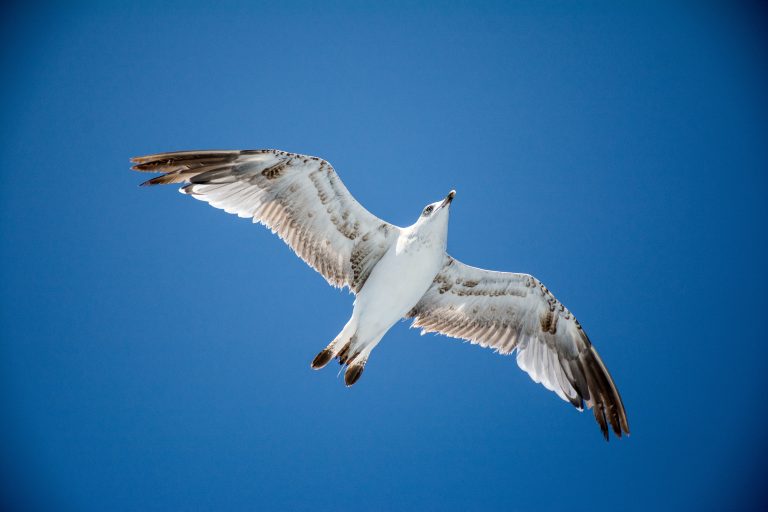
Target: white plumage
397	272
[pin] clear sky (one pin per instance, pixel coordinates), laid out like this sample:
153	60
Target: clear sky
155	351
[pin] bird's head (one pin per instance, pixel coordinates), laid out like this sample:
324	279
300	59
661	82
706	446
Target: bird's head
434	216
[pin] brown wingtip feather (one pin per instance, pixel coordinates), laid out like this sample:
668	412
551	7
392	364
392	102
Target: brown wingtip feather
180	176
600	417
616	412
165	162
150	163
605	399
180	166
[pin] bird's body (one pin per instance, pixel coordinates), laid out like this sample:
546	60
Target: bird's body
396	284
397	272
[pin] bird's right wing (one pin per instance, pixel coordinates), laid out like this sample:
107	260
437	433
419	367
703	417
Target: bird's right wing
516	312
301	198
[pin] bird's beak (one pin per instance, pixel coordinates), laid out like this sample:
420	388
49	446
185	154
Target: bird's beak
448	199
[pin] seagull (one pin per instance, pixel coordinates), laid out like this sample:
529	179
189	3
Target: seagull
397	272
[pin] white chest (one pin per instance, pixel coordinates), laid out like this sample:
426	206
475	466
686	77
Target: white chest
401	277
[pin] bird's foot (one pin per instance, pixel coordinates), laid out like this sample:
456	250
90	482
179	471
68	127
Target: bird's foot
353	373
322	358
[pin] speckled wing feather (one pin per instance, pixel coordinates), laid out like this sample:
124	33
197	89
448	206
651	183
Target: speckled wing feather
301	198
509	312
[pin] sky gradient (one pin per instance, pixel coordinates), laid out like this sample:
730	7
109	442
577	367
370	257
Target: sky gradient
155	351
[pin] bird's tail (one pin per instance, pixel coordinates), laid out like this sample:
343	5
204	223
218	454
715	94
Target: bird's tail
346	349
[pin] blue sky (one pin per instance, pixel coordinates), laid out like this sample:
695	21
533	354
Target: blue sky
155	352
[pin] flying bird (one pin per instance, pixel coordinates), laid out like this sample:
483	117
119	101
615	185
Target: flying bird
397	272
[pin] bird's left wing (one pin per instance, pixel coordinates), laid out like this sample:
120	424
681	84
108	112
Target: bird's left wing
507	312
299	197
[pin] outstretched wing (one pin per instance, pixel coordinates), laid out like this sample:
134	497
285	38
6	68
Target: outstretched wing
301	198
508	312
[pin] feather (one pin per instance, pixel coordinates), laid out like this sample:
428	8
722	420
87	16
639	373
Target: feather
298	197
517	312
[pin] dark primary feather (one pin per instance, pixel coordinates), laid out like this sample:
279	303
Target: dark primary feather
516	312
299	197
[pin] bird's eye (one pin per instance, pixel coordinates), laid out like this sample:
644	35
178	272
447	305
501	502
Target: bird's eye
428	210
